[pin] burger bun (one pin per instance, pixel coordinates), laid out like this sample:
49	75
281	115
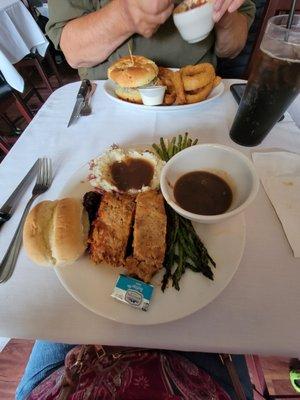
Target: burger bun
128	94
133	72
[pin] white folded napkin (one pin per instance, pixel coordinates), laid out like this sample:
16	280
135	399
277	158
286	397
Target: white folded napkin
280	176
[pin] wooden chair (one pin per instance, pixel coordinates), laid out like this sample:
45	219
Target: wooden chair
260	387
8	97
35	60
272	8
32	61
3	146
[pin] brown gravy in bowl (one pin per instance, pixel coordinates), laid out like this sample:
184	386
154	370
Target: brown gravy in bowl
202	192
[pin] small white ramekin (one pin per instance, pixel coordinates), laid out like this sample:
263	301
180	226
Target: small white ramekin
152	95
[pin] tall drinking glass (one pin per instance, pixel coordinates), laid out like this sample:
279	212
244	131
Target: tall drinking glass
273	84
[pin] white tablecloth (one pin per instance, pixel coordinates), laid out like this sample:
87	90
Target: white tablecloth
259	311
19	35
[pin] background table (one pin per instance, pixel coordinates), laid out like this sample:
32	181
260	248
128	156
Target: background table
259	311
19	36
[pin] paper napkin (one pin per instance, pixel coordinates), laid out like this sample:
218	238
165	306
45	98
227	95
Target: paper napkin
280	175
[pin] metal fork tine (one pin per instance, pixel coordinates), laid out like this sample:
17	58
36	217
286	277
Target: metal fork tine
39	180
49	172
45	172
39	174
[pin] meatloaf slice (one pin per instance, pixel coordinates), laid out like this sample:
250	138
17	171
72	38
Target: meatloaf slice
149	236
111	229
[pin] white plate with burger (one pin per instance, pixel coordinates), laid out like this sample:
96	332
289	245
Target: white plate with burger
129	74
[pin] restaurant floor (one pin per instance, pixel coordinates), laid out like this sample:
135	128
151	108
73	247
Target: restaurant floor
14	356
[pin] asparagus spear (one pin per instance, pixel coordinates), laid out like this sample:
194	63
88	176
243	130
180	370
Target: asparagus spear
164	149
184	140
184	247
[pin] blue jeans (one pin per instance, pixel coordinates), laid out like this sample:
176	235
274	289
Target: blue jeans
46	357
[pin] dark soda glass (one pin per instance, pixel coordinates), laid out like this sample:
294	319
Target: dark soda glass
272	86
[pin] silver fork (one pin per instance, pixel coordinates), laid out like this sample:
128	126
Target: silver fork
43	182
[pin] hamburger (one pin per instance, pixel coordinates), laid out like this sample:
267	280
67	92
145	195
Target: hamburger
56	232
130	74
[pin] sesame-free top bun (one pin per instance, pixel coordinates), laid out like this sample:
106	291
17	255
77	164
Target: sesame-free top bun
133	72
56	232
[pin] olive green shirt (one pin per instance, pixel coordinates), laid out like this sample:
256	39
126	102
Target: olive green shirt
165	47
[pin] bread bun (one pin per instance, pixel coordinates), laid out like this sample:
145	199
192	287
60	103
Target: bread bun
56	232
133	72
129	94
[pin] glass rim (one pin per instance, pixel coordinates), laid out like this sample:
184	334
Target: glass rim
281	28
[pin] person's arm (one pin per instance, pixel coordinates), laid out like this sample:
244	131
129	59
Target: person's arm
89	40
233	19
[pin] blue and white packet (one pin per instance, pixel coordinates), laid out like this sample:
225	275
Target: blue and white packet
133	292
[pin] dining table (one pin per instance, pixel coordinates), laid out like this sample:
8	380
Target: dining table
257	313
20	35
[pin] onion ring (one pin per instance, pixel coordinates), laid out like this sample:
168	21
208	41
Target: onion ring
217	81
167	82
197	81
200	94
164	75
169	98
197	76
178	86
197	69
164	72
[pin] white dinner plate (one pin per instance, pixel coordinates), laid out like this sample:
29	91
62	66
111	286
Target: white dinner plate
214	94
91	285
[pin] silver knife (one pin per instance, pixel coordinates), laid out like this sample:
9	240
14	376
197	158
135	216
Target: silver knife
8	208
83	91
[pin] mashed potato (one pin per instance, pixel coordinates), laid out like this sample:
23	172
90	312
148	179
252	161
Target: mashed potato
100	168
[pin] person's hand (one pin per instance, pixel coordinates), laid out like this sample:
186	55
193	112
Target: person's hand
146	16
222	6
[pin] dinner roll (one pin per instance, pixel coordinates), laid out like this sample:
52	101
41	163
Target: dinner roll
56	232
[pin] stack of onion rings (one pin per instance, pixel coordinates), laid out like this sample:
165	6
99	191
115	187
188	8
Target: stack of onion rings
197	76
198	81
191	84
